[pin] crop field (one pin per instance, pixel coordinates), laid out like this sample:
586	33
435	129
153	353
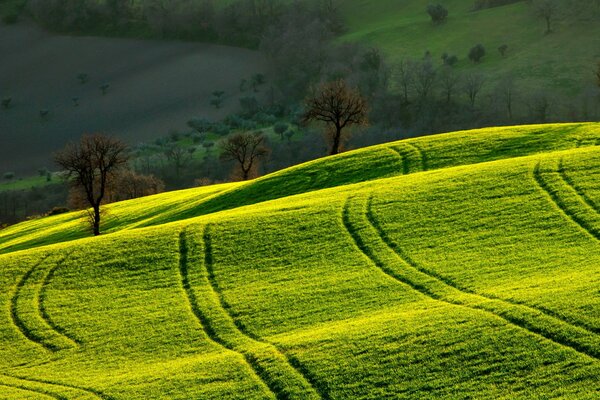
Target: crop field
154	87
462	265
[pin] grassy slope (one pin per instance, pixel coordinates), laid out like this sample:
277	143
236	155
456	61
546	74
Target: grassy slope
563	60
477	278
391	159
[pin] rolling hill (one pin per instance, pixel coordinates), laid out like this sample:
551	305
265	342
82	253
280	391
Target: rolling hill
461	265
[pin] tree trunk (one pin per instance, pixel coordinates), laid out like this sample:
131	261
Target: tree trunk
96	223
335	148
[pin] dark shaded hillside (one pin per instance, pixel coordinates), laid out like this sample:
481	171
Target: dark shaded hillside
154	87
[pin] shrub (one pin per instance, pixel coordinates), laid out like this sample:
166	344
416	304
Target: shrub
221	129
200	125
9	176
58	211
6	102
280	128
477	53
503	49
437	12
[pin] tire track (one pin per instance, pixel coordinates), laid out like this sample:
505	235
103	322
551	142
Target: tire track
567	179
96	393
268	366
405	257
294	363
422	155
24	389
557	199
44	336
42	295
531	320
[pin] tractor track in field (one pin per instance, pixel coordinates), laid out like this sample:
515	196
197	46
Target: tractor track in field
407	162
436	287
38	392
44	311
96	393
588	200
40	295
558	201
275	382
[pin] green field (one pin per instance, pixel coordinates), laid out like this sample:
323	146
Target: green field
462	265
563	60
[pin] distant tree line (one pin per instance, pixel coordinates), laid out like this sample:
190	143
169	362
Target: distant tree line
241	22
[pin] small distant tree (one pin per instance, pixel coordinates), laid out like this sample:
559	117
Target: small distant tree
200	125
449	82
6	102
90	164
9	176
503	49
246	149
438	13
280	128
178	156
473	84
507	91
83	78
257	80
217	99
598	75
104	88
338	106
404	74
548	10
476	53
44	113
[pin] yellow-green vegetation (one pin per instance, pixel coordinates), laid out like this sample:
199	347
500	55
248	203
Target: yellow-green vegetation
462	265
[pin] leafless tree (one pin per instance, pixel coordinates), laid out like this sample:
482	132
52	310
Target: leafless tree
598	75
449	82
90	164
507	92
404	74
547	10
424	80
246	149
338	106
472	86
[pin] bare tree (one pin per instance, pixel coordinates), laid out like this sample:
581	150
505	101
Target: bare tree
473	85
90	164
424	80
547	10
598	75
246	149
449	81
404	74
339	107
178	155
507	93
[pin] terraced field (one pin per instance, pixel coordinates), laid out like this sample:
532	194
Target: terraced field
463	265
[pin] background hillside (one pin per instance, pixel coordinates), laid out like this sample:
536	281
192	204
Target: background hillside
463	263
563	61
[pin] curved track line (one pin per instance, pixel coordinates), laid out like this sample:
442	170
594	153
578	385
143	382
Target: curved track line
44	311
18	322
437	289
293	362
422	155
201	316
558	202
24	389
99	394
567	179
22	324
402	254
402	158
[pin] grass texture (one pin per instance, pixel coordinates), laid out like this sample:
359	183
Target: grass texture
462	265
